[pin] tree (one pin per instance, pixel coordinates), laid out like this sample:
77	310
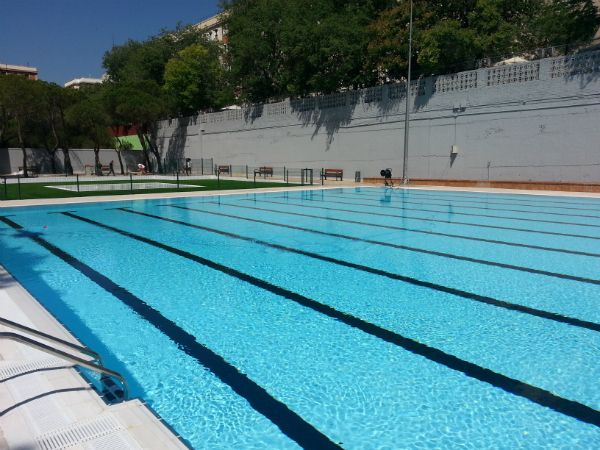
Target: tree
193	79
119	146
280	48
21	99
566	21
139	104
146	60
90	117
452	31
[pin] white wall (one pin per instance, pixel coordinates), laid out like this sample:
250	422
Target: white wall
543	125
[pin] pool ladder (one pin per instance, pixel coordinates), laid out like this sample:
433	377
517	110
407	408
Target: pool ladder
98	366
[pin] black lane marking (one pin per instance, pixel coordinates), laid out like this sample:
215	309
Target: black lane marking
455	199
401	247
540	396
290	423
486	209
436	287
417	218
460	213
426	220
538	198
433	233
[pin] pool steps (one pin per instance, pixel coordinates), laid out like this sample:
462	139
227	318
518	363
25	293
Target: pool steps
45	402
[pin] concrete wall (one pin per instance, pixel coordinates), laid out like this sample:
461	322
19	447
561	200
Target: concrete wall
537	121
12	158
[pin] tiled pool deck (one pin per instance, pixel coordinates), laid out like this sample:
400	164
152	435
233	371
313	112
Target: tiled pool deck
43	400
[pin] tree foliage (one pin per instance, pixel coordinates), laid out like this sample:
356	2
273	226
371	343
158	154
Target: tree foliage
452	31
291	47
147	60
194	80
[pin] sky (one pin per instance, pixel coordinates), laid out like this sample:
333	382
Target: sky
66	39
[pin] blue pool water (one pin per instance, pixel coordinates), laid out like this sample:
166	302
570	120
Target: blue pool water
352	318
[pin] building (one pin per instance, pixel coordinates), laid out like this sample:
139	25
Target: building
8	69
213	27
77	83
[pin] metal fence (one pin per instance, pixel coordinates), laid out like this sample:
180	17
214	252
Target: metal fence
21	188
268	173
202	166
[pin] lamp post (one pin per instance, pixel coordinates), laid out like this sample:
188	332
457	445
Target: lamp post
406	119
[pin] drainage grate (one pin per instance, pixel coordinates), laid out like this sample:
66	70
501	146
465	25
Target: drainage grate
41	410
84	431
27	366
116	441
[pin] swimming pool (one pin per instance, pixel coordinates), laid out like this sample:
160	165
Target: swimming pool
354	318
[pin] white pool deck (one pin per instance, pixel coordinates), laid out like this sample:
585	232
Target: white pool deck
45	403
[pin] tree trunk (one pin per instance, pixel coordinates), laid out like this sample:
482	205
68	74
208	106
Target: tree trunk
154	147
25	173
120	161
67	161
139	131
52	161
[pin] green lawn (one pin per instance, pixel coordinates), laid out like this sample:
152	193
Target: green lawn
39	190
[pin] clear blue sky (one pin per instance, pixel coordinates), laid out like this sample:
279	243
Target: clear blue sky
66	39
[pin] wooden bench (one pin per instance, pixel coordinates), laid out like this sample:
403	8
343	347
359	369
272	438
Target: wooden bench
32	169
224	169
264	171
333	173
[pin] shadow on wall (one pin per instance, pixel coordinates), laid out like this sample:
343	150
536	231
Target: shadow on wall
131	158
4	161
330	118
44	161
176	149
394	102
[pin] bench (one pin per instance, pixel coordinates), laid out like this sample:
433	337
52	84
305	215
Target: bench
264	171
32	169
224	169
333	173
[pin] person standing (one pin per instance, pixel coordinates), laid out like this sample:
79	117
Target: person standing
188	166
142	169
111	168
99	169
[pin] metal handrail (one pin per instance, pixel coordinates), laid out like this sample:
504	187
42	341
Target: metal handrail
37	333
71	358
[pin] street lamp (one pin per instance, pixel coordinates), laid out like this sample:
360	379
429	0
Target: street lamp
406	119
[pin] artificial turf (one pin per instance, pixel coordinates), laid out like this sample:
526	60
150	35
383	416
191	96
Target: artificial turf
40	190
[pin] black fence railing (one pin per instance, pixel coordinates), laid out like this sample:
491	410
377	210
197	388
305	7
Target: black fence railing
22	188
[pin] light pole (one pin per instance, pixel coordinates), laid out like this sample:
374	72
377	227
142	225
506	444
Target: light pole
406	119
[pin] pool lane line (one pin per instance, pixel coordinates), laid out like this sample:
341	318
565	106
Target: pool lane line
419	195
537	395
446	212
538	198
290	423
401	247
524	230
410	230
394	276
478	207
419	219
